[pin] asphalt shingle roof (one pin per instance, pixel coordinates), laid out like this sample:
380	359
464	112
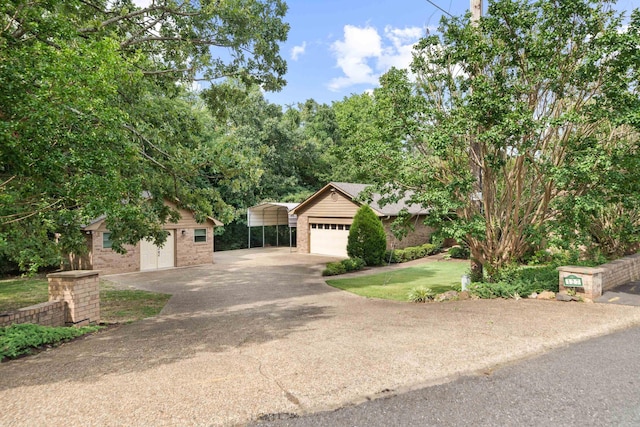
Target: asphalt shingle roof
393	209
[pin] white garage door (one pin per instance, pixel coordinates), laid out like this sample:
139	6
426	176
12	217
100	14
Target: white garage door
329	239
153	257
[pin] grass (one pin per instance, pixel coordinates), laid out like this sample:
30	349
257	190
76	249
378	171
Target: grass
119	306
19	293
396	284
116	306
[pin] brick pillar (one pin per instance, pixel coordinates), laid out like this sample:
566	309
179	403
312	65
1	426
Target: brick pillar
80	290
591	277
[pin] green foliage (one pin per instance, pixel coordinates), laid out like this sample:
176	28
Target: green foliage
540	99
16	340
518	281
420	294
334	268
367	239
411	253
345	266
458	252
95	116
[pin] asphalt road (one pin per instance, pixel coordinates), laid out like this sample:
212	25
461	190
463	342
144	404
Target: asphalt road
593	383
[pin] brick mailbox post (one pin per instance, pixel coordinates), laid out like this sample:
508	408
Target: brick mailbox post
80	290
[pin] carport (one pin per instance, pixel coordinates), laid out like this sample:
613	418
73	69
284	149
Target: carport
272	214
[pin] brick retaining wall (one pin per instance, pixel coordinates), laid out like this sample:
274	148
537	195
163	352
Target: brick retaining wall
49	313
597	280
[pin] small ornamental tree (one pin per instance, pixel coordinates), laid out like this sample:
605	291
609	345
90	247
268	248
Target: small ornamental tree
367	239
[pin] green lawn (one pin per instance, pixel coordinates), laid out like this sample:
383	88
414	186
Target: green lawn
19	293
440	276
116	306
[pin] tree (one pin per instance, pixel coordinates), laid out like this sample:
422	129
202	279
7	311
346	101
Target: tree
367	239
95	114
540	100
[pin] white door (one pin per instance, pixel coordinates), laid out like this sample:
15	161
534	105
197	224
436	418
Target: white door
153	257
329	239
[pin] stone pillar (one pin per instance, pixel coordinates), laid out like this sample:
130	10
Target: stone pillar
591	277
80	290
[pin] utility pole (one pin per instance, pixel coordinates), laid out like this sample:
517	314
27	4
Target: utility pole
477	273
476	10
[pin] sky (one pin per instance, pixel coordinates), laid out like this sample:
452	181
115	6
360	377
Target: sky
338	48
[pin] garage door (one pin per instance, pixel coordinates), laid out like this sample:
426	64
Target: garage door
329	239
153	257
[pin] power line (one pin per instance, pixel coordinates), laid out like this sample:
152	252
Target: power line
435	5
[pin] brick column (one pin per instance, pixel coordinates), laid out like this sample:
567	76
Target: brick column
592	279
80	290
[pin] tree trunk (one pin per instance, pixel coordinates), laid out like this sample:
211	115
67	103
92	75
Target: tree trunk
477	273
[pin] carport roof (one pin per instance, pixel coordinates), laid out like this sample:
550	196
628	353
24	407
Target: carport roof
271	213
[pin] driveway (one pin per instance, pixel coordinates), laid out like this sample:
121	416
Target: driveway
259	333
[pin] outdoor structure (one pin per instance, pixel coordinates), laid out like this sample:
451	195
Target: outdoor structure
325	218
271	214
188	243
592	282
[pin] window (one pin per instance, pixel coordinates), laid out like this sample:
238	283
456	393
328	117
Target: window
200	235
314	226
106	241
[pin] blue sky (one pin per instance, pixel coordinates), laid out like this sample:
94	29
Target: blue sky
336	48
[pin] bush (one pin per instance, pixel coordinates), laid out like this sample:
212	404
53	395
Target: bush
16	340
367	239
430	249
334	268
420	294
459	252
344	266
391	256
353	264
518	281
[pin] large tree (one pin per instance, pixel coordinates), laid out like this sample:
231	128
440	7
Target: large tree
515	119
94	114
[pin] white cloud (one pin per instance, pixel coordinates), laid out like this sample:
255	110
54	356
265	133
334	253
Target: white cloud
298	50
364	54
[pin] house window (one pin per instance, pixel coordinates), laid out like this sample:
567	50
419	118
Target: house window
106	241
200	235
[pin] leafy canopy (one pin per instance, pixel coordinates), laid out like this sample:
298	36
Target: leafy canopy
95	114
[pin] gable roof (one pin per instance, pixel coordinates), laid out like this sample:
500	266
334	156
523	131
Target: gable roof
353	190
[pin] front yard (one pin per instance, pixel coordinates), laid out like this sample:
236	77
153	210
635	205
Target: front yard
439	276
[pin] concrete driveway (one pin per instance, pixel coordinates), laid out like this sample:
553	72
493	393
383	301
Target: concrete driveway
259	333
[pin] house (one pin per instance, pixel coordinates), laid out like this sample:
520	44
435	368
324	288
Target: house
324	220
188	243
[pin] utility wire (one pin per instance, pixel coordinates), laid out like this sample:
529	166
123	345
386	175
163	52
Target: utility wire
435	5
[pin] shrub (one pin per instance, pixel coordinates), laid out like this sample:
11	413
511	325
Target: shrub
16	340
367	239
391	256
430	249
518	281
420	294
334	268
459	252
353	264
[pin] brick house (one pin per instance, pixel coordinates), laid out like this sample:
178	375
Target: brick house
188	243
325	218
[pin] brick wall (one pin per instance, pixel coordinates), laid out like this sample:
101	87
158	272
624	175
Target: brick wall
51	313
189	252
110	262
419	236
596	280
